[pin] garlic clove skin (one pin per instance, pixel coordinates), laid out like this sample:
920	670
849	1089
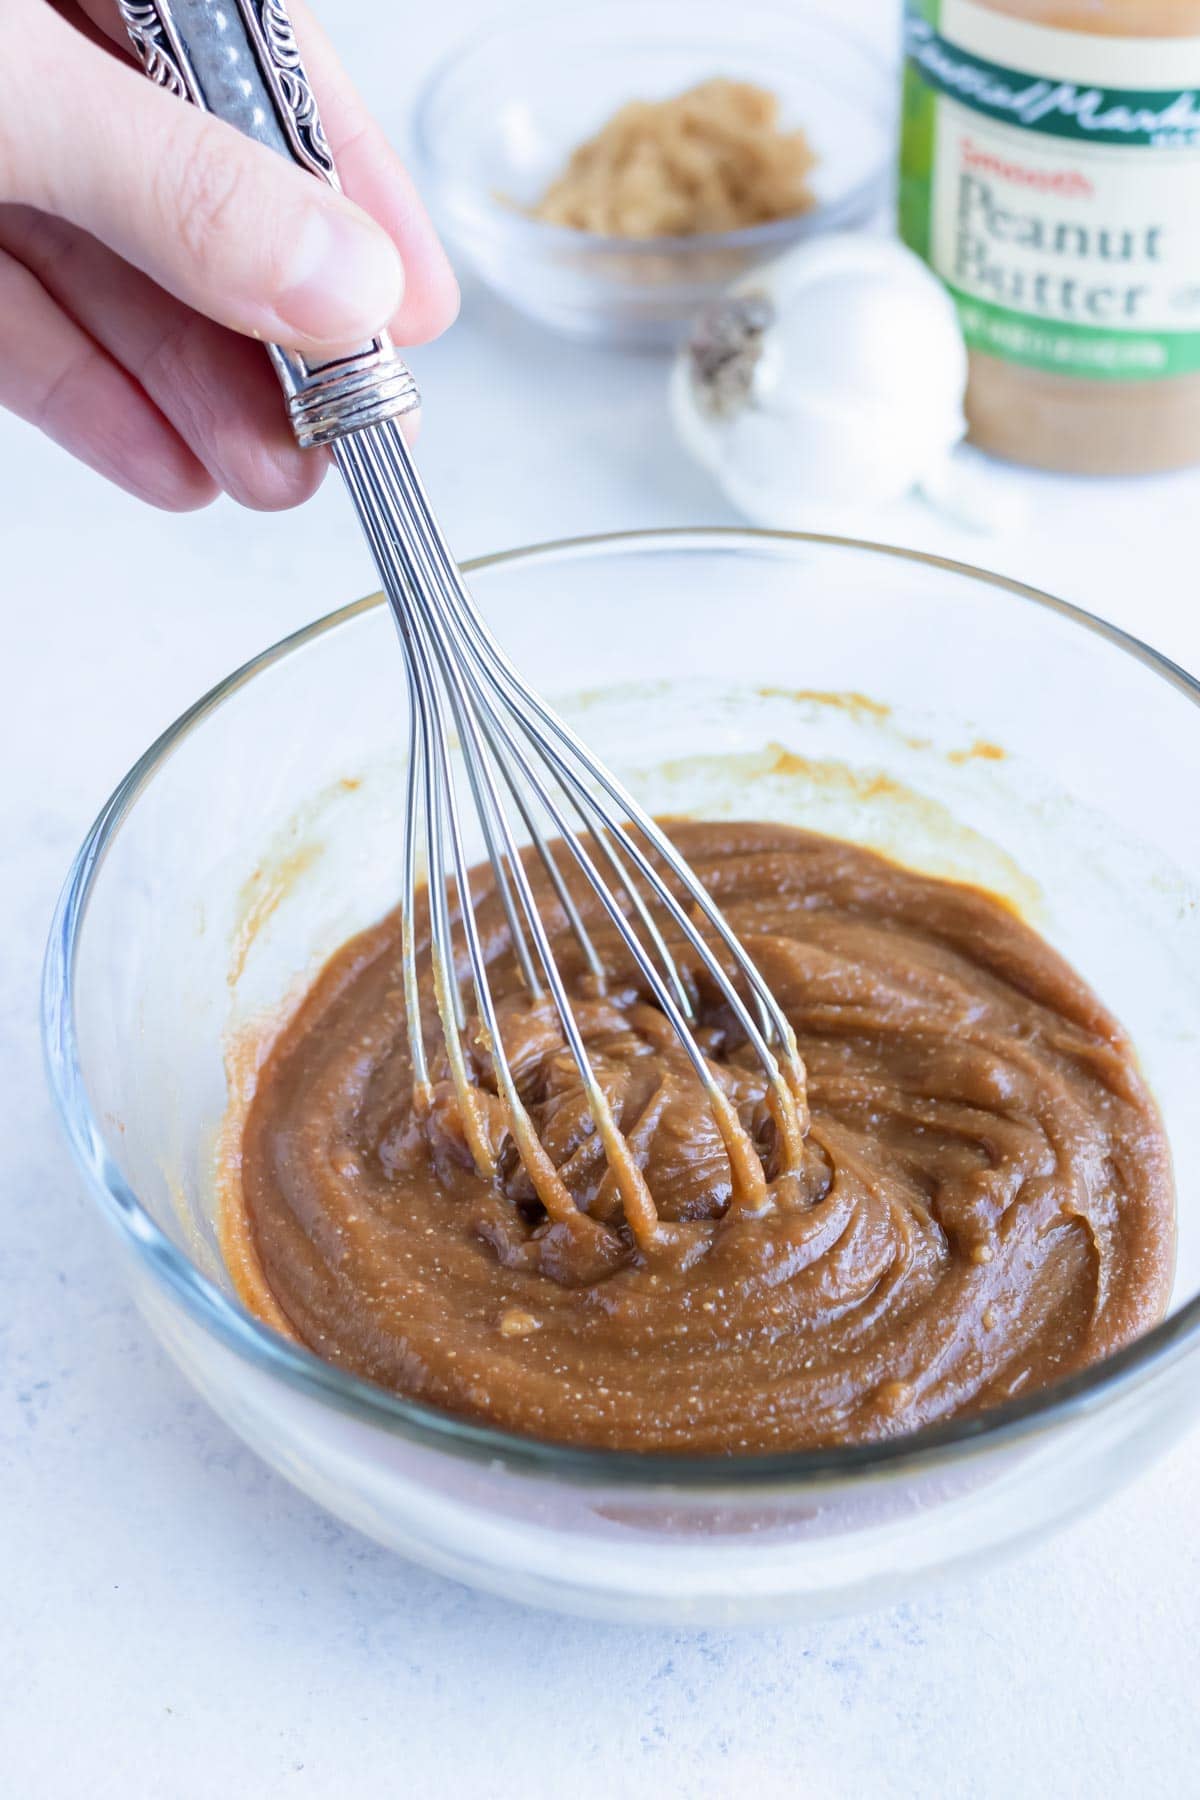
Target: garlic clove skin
830	379
826	454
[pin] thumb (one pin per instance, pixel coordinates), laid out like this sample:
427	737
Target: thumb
231	228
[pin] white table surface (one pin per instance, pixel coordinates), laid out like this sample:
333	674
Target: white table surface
176	1621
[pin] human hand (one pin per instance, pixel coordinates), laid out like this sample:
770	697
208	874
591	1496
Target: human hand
145	245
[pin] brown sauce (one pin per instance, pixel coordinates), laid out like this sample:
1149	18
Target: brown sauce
984	1201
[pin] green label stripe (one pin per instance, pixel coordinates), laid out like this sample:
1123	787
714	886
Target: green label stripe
1075	349
1167	118
918	138
915	184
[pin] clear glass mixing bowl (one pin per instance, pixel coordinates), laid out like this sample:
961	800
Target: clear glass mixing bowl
964	723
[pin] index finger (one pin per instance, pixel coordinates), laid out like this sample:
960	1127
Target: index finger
369	170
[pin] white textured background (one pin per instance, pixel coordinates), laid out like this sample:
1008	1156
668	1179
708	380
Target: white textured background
175	1622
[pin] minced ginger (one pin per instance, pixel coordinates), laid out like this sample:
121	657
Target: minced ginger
712	159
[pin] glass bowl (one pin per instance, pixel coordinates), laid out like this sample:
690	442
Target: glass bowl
498	120
966	724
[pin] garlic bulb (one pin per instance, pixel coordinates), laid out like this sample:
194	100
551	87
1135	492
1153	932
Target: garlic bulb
829	380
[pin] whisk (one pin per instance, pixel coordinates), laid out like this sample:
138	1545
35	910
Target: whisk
239	59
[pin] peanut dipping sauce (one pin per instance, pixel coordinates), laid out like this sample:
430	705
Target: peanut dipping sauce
983	1202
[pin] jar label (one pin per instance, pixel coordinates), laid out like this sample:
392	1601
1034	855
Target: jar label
1052	179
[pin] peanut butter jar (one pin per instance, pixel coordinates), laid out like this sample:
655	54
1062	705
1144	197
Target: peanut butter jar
1050	174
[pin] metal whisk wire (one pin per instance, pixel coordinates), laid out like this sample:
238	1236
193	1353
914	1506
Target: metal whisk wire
460	679
241	61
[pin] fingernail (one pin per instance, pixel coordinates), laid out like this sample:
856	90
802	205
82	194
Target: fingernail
344	282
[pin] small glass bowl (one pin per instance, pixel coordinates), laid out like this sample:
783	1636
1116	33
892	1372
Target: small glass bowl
963	723
498	120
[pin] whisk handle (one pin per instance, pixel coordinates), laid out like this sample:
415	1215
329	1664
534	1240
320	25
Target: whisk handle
239	60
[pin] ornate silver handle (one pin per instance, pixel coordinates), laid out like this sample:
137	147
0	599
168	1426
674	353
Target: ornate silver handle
239	60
